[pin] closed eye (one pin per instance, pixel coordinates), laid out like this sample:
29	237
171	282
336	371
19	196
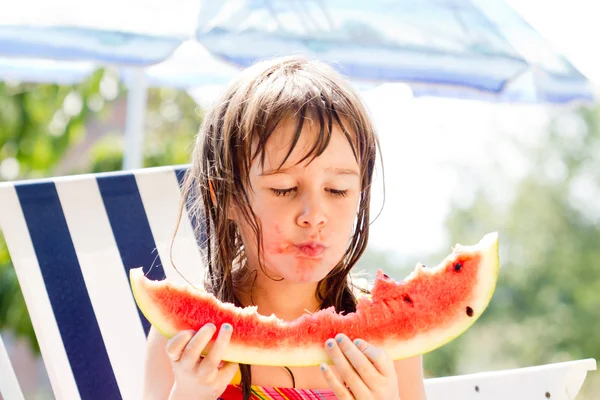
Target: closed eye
338	193
283	192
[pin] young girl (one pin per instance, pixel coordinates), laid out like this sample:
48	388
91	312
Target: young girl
281	174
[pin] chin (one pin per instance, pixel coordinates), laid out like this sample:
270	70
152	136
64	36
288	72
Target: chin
308	271
300	269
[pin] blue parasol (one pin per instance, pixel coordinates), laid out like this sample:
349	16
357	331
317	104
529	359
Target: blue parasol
475	49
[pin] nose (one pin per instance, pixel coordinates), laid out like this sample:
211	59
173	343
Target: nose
312	214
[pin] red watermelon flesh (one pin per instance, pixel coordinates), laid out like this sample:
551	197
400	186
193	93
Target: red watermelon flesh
429	308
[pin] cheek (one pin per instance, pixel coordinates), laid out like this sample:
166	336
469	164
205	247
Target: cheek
274	240
269	217
268	211
274	228
344	216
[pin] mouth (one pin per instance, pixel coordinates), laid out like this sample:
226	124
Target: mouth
310	249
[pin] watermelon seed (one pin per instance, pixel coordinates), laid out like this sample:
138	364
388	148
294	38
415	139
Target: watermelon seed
407	299
469	311
385	276
547	395
457	267
477	389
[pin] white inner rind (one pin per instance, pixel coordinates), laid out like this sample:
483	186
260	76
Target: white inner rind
144	302
305	355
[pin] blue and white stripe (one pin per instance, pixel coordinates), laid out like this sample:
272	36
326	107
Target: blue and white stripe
73	241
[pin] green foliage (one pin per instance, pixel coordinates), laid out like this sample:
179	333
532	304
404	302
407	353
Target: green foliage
38	123
173	119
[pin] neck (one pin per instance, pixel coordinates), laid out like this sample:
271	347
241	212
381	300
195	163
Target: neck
287	300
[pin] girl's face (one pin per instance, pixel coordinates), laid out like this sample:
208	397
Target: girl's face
307	211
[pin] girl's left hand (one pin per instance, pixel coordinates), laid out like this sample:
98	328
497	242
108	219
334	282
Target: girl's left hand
367	370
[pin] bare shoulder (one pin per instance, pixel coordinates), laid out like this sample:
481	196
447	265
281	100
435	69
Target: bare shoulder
158	374
410	378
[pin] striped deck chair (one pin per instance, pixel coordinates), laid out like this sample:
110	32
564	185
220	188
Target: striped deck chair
73	240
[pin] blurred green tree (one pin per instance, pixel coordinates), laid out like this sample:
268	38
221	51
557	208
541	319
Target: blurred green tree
545	308
39	122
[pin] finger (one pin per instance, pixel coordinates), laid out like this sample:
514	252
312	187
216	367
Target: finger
193	350
379	358
177	343
225	377
227	373
346	371
359	361
340	391
220	364
215	355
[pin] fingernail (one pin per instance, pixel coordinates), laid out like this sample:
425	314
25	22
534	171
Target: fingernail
330	343
339	339
227	327
357	342
323	367
211	326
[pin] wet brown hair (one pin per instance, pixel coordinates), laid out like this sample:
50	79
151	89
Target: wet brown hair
243	120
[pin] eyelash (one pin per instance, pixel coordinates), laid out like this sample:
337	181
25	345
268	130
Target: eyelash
282	192
285	192
338	193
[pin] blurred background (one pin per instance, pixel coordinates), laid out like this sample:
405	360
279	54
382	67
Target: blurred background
457	165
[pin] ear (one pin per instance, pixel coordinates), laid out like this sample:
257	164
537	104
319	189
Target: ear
232	212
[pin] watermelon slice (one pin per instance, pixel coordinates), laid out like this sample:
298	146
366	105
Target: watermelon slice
429	308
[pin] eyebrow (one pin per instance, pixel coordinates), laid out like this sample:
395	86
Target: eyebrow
335	171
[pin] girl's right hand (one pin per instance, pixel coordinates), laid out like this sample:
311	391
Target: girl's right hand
197	377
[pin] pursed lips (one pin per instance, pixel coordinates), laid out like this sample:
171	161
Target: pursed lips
310	249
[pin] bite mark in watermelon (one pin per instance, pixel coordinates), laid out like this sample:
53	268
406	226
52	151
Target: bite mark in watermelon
426	310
